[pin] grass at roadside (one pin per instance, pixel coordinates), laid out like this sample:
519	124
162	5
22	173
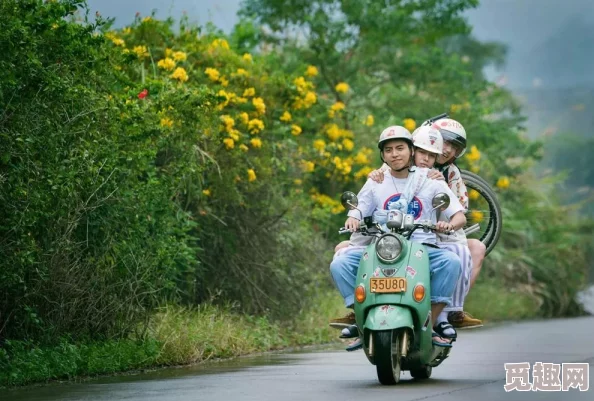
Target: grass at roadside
176	336
490	300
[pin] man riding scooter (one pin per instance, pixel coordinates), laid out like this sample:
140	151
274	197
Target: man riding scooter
409	191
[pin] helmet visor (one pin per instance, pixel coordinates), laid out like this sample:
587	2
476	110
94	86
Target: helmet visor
458	142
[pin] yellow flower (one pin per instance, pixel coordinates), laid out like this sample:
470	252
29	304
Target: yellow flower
319	145
311	71
166	64
213	74
333	132
240	100
363	156
249	92
244	117
258	103
474	155
141	51
286	117
118	42
247	57
127	30
256	142
180	56
473	194
255	126
476	216
234	134
224	81
309	99
243	147
342	87
369	121
180	74
295	130
206	192
302	85
222	43
241	72
229	143
146	19
168	52
503	183
364	172
251	175
338	106
228	97
410	124
348	144
297	181
166	122
307	166
228	121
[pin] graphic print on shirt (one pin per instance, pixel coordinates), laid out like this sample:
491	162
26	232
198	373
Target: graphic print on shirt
415	207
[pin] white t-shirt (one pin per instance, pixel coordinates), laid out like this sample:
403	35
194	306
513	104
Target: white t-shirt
375	195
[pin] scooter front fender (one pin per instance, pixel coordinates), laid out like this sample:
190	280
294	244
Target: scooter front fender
388	317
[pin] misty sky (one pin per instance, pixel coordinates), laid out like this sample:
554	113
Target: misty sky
528	27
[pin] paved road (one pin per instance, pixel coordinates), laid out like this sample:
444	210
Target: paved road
474	371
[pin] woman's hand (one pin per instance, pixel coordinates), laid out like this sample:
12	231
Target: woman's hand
377	176
434	175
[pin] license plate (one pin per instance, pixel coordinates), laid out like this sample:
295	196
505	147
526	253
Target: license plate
388	284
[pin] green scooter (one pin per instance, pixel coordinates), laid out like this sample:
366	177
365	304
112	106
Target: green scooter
392	294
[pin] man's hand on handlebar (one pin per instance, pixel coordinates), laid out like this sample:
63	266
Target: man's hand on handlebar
352	224
444	227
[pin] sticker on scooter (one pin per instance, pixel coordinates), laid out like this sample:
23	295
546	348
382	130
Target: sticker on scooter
376	272
411	272
384	323
419	253
387	309
424	328
365	256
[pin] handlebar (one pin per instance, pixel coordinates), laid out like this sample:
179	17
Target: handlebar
434	119
430	227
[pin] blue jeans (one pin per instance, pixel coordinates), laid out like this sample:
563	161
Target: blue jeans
444	266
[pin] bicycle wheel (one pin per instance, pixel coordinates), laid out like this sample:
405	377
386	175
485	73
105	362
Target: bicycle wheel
483	209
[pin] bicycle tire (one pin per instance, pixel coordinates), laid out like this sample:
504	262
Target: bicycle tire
491	235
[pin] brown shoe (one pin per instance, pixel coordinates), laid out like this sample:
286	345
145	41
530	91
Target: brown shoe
342	322
464	320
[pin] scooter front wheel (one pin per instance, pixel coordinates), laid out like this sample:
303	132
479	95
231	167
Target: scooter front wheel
387	355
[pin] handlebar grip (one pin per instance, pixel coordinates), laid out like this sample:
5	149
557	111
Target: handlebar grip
438	117
343	231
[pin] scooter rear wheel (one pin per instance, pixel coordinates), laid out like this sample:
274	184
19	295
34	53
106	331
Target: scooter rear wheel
387	355
484	209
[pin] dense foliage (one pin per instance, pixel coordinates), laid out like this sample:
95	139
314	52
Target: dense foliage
151	164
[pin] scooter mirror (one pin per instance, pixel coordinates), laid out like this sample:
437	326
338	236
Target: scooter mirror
441	201
349	200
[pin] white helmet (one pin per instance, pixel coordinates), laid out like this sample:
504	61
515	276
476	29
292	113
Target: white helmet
452	131
428	138
394	132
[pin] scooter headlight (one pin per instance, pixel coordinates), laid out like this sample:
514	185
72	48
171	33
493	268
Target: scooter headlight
388	248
